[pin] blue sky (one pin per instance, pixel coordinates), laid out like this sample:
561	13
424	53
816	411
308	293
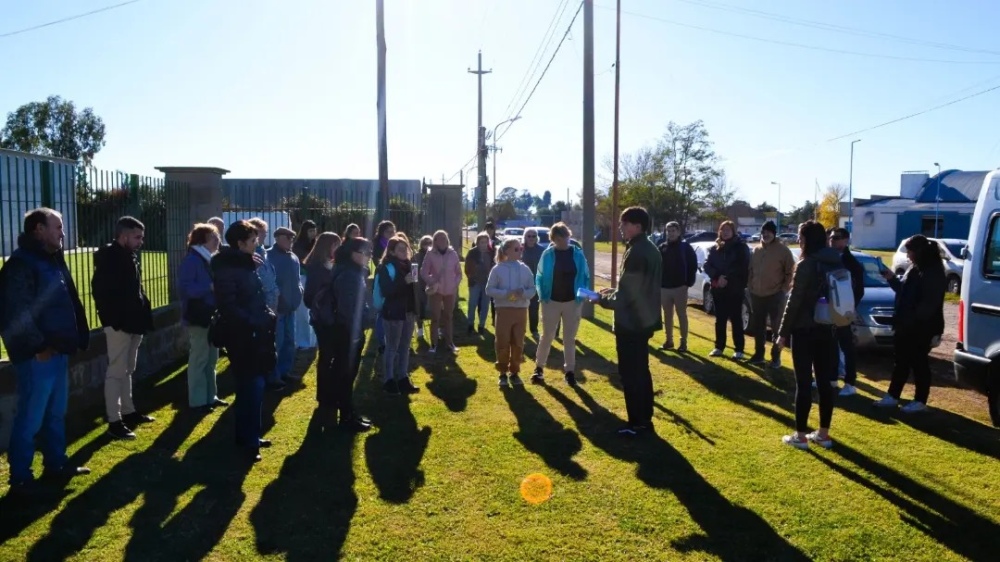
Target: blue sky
287	89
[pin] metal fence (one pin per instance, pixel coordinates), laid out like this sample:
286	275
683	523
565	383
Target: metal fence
331	210
91	201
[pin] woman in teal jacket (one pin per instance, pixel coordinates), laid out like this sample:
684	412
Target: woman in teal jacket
562	271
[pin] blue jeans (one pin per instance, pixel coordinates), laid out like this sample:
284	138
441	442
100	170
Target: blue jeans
478	301
42	394
284	342
249	402
379	329
398	335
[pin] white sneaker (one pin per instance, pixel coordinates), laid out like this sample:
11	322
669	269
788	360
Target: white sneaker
715	353
739	356
799	442
824	442
886	402
453	348
432	350
848	390
914	407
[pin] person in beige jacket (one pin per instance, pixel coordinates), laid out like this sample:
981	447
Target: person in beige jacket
771	269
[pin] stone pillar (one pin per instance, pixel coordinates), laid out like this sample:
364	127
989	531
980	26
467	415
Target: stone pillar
445	211
193	195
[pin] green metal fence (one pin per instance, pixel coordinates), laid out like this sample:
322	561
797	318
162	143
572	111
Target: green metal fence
91	201
331	209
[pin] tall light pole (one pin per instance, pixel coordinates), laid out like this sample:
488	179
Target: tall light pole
937	201
494	137
850	193
614	181
778	183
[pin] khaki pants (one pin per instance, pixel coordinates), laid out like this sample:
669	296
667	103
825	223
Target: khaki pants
123	350
552	313
671	300
443	317
511	324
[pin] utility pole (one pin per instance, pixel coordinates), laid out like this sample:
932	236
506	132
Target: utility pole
614	180
495	149
382	205
481	145
589	196
850	194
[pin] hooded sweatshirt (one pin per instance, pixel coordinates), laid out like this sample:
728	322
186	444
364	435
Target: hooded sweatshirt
801	305
509	276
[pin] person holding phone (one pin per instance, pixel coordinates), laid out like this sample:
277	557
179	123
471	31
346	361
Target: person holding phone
511	286
395	278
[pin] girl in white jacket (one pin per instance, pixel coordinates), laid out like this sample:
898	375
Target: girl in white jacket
511	286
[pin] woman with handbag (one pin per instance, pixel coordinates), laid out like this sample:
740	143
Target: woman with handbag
197	309
245	327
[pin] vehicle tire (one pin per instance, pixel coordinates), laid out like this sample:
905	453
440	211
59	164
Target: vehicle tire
746	314
954	284
707	302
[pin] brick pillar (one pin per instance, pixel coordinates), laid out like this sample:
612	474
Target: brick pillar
445	211
193	195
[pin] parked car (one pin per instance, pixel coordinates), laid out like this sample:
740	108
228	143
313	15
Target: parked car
511	232
701	236
789	238
755	237
977	351
951	253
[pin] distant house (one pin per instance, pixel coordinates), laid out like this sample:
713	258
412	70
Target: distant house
885	221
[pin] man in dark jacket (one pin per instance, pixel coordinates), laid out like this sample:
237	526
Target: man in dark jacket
353	315
680	264
839	241
126	316
286	273
728	266
42	322
636	303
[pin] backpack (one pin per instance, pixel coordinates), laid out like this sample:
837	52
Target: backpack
323	309
836	306
377	299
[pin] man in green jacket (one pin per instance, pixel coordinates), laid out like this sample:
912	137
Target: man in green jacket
636	303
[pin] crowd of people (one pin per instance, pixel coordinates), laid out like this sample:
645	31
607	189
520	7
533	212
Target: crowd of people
311	290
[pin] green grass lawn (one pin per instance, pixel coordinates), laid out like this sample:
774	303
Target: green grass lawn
439	479
155	279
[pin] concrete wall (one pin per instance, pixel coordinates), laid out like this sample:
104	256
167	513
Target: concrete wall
166	345
874	227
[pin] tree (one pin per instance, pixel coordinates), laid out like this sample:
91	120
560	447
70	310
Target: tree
829	205
547	199
507	194
801	214
54	128
766	207
524	201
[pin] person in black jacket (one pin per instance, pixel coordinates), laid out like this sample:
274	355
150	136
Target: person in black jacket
918	321
126	315
395	280
727	266
42	323
245	327
352	315
680	264
319	275
839	241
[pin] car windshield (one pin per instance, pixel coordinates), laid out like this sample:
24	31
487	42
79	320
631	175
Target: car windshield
873	278
955	249
543	237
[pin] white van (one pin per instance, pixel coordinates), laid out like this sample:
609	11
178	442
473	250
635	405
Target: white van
977	353
274	220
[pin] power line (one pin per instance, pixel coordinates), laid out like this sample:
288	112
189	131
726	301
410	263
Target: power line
833	27
463	167
928	110
544	72
536	60
66	19
799	45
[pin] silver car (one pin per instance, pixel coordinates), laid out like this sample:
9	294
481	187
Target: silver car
873	326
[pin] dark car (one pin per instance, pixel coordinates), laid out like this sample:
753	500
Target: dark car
703	236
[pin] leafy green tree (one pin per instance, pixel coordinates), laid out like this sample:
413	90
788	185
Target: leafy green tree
54	128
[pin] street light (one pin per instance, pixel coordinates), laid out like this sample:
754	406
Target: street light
850	194
777	183
937	201
494	137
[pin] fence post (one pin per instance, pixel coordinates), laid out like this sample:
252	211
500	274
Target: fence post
134	205
47	180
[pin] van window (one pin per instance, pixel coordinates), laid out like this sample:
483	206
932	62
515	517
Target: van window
991	257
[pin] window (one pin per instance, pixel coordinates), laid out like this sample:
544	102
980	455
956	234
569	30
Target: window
991	257
927	226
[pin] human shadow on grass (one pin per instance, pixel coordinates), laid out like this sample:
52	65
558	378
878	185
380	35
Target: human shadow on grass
160	478
306	511
395	449
729	531
272	400
943	520
588	359
683	423
542	434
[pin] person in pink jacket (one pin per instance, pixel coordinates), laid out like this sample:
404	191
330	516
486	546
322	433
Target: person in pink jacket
442	273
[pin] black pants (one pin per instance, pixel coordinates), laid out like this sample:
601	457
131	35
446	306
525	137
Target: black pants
912	347
845	340
814	351
637	381
346	362
250	373
764	309
728	308
324	366
533	315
